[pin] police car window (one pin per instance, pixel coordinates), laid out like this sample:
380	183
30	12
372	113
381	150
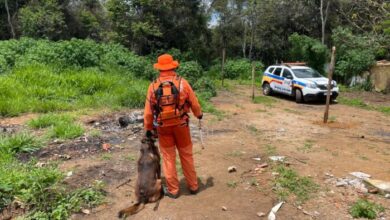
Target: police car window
306	73
271	69
278	71
287	73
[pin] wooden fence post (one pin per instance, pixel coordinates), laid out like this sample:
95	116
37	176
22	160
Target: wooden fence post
223	64
330	75
253	80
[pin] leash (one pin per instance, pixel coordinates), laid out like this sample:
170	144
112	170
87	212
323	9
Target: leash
201	133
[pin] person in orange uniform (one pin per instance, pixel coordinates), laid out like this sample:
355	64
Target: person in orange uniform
169	100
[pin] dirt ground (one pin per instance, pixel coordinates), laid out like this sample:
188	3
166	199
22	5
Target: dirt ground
356	140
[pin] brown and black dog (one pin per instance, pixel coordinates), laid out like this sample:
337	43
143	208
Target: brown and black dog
148	187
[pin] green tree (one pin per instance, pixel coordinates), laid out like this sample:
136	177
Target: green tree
312	51
42	19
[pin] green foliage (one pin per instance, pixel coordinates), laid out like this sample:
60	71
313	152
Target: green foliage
307	49
48	120
355	53
356	102
206	86
40	189
235	69
74	53
66	130
43	18
40	88
363	208
19	143
190	70
265	100
288	181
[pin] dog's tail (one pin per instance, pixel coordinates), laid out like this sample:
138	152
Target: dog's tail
131	210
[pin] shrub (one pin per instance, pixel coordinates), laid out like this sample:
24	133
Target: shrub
191	70
205	85
238	69
310	50
355	53
74	53
363	208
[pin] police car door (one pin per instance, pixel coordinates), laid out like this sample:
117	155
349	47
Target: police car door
276	83
287	81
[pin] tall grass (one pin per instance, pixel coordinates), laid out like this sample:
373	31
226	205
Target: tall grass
41	88
19	143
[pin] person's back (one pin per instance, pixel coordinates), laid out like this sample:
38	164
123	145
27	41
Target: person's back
169	100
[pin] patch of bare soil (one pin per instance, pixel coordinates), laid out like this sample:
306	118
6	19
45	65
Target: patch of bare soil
356	140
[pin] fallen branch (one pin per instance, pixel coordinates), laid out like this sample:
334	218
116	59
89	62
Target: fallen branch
124	183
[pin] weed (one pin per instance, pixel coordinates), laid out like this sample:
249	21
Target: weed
270	150
106	156
332	119
253	182
18	143
66	131
384	109
235	153
49	120
364	158
130	157
288	181
252	128
361	104
354	102
307	147
265	100
232	184
363	208
291	111
261	110
95	133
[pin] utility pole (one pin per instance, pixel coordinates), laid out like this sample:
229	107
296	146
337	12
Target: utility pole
330	75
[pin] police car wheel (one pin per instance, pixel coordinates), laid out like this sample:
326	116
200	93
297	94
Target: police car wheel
298	96
267	90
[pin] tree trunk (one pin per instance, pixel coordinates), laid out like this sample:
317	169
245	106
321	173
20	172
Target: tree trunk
9	18
251	43
244	41
253	29
324	18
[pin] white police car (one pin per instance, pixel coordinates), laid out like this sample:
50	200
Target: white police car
299	81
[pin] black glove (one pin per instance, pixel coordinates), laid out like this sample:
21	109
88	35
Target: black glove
200	116
149	134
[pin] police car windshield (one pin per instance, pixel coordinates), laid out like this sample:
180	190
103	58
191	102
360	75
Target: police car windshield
306	73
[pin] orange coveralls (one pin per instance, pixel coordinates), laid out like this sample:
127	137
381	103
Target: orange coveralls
175	136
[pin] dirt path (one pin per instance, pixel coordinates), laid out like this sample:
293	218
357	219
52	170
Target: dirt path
357	140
